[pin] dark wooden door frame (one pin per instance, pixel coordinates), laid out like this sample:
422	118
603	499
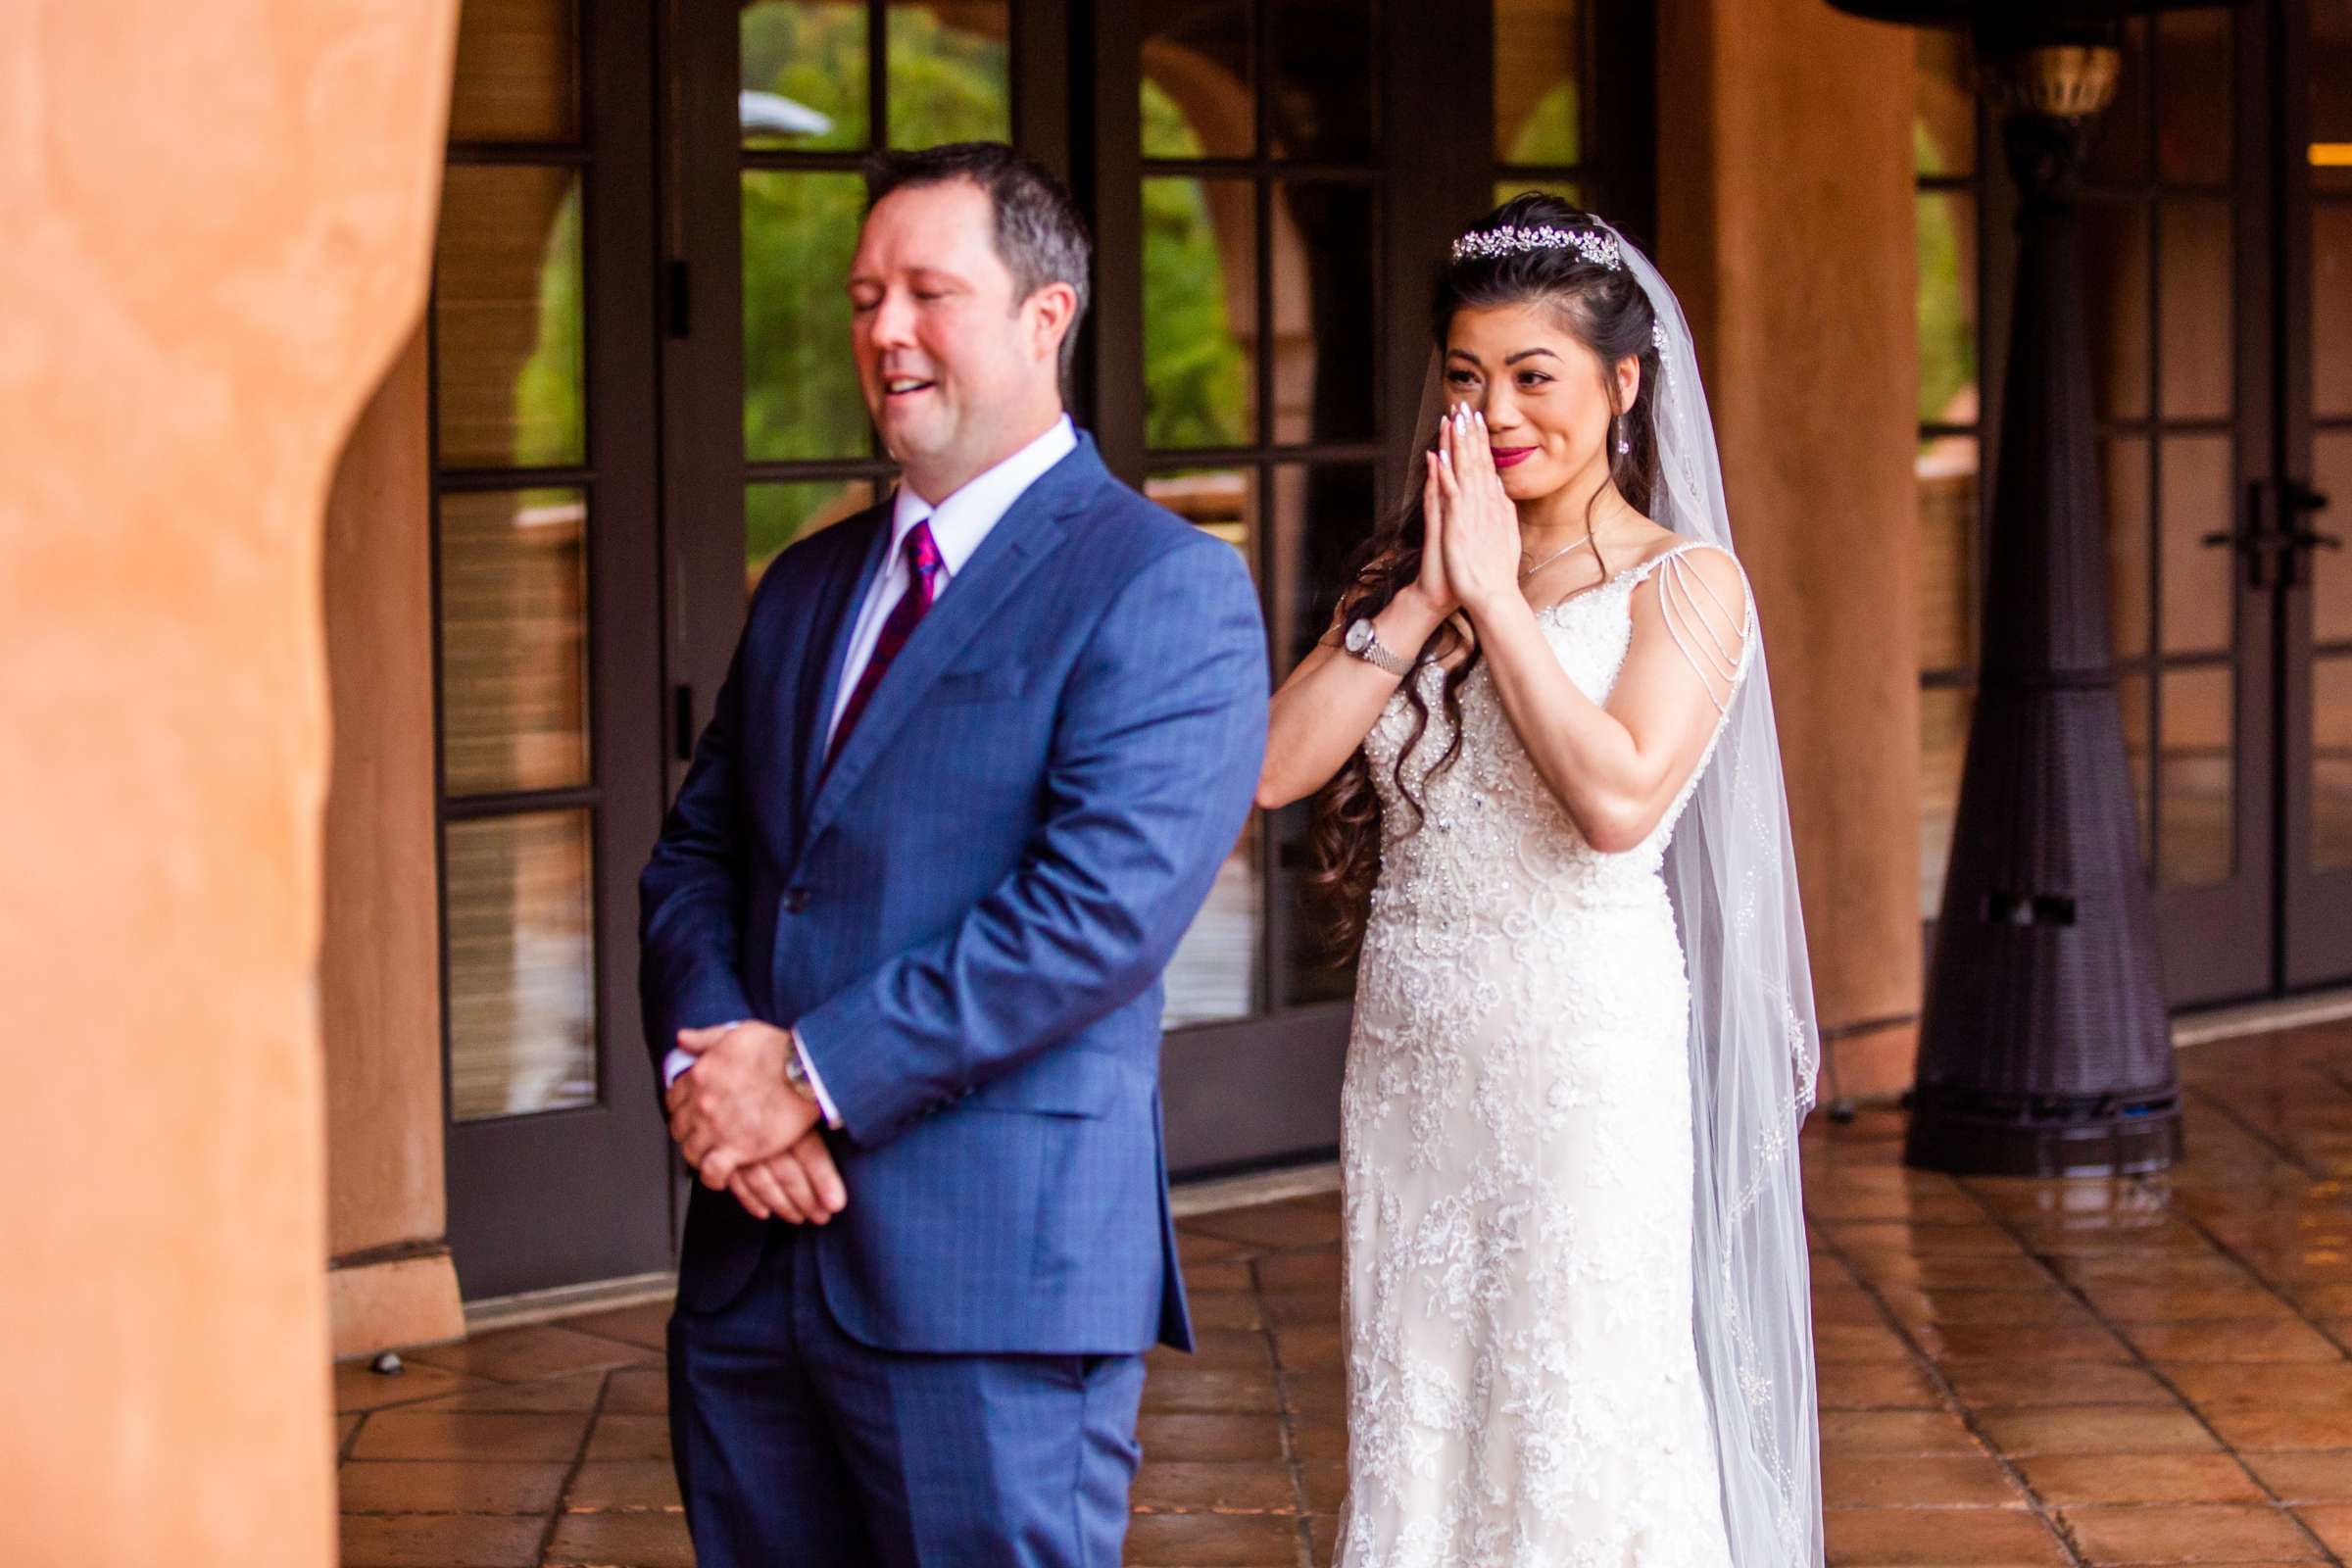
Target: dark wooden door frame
559	1197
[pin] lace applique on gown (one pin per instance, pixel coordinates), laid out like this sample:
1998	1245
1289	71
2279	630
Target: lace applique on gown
1523	1389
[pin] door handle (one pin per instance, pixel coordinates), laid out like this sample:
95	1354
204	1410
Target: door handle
2253	537
2297	501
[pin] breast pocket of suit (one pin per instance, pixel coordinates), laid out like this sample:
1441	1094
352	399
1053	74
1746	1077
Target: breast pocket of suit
984	683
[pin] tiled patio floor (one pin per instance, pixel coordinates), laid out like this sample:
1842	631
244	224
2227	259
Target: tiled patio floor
2011	1372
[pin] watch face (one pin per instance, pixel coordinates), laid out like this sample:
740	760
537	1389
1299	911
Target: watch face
1359	636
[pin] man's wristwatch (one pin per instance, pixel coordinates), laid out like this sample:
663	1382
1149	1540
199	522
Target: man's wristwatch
1364	642
795	1071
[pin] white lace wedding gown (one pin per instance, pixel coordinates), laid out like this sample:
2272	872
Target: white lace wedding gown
1523	1388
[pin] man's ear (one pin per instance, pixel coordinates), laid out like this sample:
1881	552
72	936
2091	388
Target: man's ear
1050	310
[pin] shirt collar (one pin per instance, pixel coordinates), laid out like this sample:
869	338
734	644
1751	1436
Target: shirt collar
960	522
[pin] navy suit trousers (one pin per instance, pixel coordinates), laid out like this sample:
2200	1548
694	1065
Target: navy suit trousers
789	1435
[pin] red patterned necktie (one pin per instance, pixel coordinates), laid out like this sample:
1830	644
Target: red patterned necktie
922	561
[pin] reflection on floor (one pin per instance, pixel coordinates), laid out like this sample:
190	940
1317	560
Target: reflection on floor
2011	1372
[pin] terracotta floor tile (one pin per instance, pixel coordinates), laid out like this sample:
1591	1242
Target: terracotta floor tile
469	1435
1979	1239
1225	1438
2094	1429
637	1390
2253	1427
2331	1524
2137	1304
1319	1440
2261	1383
2043	1306
1224	1309
516	1356
345	1426
2319	1476
1315	1309
630	1436
576	1391
1880	1481
1878	1434
1294	1222
1211	1541
2074	1343
1874	1385
2324	1298
1241	1349
359	1389
1844	1341
2016	1272
1940	1537
1225	1274
1227	1488
441	1540
1302	1348
2121	1478
646	1325
1986	1382
1326	1484
2216	1533
2133	1270
1315	1397
622	1484
1847	1304
1300	1271
449	1486
1193	1247
637	1540
2233	1340
1206	1388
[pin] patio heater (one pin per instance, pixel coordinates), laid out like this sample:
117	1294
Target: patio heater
2043	1046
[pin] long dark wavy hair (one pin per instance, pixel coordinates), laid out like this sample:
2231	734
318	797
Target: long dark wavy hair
1605	309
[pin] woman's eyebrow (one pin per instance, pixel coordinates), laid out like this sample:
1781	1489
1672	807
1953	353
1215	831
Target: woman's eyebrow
1529	354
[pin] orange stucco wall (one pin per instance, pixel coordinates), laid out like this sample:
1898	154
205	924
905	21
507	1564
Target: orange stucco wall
218	220
1786	222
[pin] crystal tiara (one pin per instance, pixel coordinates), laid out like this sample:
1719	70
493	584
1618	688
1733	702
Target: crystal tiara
1597	248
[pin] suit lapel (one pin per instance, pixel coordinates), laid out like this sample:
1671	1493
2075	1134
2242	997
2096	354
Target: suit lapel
1023	537
827	648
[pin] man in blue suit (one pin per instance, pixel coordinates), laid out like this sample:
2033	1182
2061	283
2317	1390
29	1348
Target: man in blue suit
980	754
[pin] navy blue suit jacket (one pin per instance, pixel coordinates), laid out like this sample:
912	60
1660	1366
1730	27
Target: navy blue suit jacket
968	914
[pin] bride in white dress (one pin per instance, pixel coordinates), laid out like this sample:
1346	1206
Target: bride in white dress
1551	815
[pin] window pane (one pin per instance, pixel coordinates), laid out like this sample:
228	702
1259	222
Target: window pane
522	965
1943	138
2115	306
801	395
2131	578
1200	313
1323	76
1943	716
1215	973
776	515
1198	101
1324	308
2132	698
2199	831
1566	190
2192	110
507	318
517	71
950	74
1948	309
2199	584
2332	569
2332	309
1947	469
804	74
2197	319
1317	518
2331	763
513	641
2122	142
1538	81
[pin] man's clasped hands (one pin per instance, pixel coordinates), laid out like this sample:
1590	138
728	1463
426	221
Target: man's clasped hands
744	1128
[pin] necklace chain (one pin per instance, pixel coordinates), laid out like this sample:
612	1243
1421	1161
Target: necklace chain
1526	572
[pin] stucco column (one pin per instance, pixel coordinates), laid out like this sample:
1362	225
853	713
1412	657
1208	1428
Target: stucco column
1785	222
219	224
391	1279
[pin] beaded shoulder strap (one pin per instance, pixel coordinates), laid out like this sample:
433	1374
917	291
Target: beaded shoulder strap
1712	639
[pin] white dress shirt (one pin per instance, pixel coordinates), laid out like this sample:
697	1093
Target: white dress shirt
957	526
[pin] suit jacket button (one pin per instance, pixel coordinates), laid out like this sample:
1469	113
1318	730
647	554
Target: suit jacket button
796	899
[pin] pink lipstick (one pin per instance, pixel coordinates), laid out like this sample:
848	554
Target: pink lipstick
1506	456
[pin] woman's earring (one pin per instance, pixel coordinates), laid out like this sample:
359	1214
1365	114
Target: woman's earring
1623	445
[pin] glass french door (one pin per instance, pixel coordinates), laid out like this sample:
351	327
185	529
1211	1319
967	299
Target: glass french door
546	654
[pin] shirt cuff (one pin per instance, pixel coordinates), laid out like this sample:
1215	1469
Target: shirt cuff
817	1085
675	1065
